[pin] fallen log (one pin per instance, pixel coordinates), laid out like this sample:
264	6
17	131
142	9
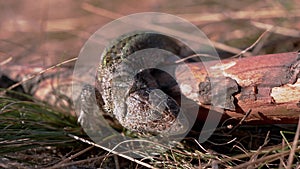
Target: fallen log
268	85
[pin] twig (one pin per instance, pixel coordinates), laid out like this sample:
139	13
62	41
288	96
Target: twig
113	15
5	61
101	11
197	142
241	121
199	161
277	29
116	162
74	163
58	165
250	47
269	158
281	164
196	55
260	44
221	144
112	151
293	150
259	150
263	14
39	73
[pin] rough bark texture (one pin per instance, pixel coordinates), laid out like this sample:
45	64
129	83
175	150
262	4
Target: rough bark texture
269	85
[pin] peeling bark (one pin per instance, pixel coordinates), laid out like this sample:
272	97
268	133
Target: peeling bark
269	85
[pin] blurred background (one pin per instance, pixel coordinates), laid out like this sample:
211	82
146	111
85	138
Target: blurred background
43	33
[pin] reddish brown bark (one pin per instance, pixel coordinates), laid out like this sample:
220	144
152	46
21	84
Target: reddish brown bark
269	85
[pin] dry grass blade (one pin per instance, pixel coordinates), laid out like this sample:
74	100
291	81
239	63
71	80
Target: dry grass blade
277	29
253	45
112	151
40	73
5	61
263	160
